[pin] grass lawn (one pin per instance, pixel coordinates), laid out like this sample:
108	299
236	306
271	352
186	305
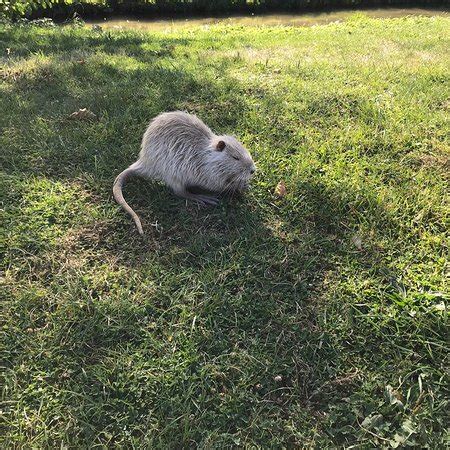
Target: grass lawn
313	319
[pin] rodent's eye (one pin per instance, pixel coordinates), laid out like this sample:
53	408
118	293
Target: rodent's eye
235	157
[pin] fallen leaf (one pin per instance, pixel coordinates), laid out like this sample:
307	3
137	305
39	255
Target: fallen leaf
81	61
278	379
280	190
83	114
8	51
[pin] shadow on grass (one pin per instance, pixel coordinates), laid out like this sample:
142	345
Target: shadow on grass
217	310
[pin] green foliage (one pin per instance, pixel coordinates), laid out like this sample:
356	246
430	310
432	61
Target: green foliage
66	8
318	319
22	8
15	9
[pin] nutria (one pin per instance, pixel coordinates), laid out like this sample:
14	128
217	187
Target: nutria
180	150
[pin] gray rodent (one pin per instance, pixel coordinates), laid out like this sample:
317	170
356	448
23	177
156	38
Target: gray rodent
180	150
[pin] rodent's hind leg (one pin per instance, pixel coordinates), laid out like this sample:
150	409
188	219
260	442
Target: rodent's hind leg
208	200
204	200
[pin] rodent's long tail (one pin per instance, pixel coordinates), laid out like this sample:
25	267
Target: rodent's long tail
118	196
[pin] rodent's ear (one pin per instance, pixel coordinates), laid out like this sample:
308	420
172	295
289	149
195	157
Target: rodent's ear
220	146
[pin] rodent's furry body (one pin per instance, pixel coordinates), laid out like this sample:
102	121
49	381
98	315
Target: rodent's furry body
180	150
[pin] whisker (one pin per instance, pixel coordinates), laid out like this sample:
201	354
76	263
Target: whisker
227	186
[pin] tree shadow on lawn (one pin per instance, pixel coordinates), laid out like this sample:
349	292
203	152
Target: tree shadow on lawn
202	324
124	102
64	42
202	320
196	322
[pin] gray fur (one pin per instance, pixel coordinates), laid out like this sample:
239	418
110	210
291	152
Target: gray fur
180	150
